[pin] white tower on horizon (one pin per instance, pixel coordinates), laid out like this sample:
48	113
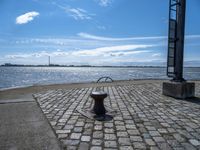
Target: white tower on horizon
49	59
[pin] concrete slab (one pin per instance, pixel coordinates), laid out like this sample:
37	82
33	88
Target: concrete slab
23	126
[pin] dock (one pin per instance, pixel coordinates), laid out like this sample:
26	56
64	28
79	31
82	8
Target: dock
144	118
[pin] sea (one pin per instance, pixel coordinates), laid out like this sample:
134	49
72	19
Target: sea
13	77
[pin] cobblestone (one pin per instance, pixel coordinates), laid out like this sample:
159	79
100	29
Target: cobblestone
110	144
145	119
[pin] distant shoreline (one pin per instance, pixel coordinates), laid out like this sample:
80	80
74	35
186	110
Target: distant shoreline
87	66
82	66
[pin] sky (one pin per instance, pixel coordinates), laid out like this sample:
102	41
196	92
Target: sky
93	32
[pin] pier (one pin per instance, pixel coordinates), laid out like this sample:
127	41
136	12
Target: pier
146	119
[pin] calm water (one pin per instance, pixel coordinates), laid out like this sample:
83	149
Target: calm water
26	76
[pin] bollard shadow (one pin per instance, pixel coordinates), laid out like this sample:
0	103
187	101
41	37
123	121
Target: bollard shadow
195	100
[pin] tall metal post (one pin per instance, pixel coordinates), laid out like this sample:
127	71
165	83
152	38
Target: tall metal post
180	40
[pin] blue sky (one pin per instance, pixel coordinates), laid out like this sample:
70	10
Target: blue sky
94	32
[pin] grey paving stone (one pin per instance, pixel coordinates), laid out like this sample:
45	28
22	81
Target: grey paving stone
78	129
97	141
70	142
85	138
108	125
150	142
139	145
108	130
154	133
110	137
75	136
136	139
164	146
188	146
110	144
122	134
120	128
179	138
194	142
158	139
126	148
97	134
63	131
124	141
96	148
133	132
98	127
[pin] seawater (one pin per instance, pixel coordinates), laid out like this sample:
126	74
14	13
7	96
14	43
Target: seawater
27	76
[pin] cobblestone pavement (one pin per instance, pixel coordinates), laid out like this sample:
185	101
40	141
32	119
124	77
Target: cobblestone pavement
146	120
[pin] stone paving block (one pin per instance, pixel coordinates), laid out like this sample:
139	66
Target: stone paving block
158	139
75	136
154	133
110	137
85	138
108	130
96	148
154	148
150	142
98	127
126	147
124	141
194	142
97	142
71	142
139	145
108	125
97	134
188	146
164	146
179	138
110	144
78	129
136	139
122	134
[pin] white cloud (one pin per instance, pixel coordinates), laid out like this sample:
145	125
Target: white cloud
27	17
79	14
128	53
112	50
104	3
76	13
156	55
38	55
94	37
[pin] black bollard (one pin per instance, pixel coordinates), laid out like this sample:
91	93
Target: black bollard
99	97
